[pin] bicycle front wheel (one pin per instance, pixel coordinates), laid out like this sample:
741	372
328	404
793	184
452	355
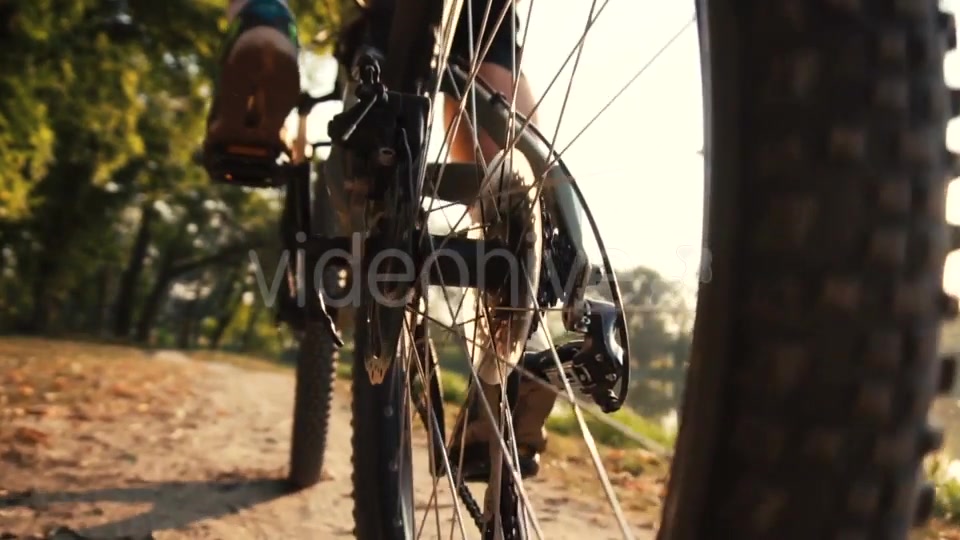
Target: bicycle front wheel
814	356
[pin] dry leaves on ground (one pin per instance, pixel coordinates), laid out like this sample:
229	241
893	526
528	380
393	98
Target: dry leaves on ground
78	382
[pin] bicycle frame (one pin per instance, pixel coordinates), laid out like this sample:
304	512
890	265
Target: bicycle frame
563	201
461	181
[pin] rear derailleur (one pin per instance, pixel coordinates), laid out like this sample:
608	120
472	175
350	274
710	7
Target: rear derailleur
594	366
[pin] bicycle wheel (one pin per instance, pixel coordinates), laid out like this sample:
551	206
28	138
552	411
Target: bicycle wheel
815	340
814	356
315	376
317	357
382	438
501	199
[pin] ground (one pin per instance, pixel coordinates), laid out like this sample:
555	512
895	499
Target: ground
100	441
107	441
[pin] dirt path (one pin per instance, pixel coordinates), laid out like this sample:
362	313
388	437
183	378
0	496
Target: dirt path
206	464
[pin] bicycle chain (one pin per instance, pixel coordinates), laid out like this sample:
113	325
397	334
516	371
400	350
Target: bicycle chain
558	249
476	513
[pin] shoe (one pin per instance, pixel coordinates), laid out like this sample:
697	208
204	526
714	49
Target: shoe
258	83
529	417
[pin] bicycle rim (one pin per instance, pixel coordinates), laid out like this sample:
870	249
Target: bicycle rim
806	418
545	157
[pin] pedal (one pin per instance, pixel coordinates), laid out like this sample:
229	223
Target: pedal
245	165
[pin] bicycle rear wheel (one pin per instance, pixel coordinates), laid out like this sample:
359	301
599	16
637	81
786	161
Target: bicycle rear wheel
493	331
814	357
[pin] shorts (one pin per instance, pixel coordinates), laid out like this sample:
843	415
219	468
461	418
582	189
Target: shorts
503	47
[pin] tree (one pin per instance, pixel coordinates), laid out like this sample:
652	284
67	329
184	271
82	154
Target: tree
96	139
659	322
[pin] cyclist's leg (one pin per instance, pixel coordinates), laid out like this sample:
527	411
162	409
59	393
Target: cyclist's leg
258	80
501	79
496	70
534	402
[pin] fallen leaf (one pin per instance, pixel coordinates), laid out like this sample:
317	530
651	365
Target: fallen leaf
37	410
121	390
31	436
80	414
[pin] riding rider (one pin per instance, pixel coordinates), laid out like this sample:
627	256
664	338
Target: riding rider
260	51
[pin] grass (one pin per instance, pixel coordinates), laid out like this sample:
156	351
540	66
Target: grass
565	423
945	474
562	422
454	384
454	387
239	360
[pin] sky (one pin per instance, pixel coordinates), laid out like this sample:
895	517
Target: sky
638	164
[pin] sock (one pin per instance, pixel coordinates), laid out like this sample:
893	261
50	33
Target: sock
236	5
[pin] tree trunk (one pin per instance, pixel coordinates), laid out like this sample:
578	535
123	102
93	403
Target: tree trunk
126	294
39	320
255	311
93	321
171	270
223	321
151	305
229	302
189	318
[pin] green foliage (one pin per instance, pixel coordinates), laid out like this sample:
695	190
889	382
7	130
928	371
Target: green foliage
565	423
454	387
101	204
659	322
947	501
107	226
344	370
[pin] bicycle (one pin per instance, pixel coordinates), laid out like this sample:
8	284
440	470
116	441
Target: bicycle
825	438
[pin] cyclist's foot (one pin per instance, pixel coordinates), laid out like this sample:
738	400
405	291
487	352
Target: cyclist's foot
476	461
533	405
258	83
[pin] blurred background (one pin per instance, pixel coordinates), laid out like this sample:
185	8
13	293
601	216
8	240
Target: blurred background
109	230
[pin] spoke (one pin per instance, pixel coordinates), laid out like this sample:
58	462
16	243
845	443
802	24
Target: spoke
573	74
473	347
625	87
541	184
518	481
474	70
425	383
590	408
434	431
556	77
473	74
587	436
